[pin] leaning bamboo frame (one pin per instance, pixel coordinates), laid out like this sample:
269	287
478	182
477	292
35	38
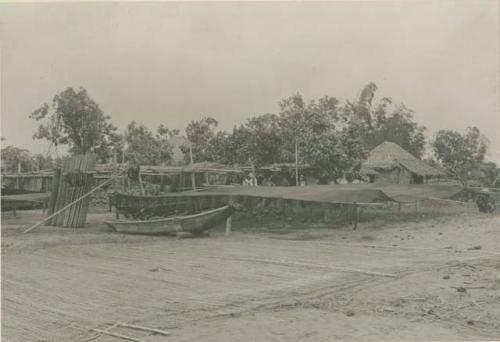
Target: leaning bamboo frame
68	206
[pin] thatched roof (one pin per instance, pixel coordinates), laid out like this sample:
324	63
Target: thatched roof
389	155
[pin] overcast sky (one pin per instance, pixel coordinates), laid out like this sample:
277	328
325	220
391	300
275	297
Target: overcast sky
172	63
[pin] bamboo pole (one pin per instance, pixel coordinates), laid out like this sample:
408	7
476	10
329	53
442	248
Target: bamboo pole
193	178
61	195
55	187
67	206
296	163
72	212
85	202
88	186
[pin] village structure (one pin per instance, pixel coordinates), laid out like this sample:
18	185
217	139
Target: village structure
313	218
389	163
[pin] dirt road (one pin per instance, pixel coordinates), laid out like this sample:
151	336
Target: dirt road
311	284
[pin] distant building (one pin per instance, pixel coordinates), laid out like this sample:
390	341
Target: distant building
389	163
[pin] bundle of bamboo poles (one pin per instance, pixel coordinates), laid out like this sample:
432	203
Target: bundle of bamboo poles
71	182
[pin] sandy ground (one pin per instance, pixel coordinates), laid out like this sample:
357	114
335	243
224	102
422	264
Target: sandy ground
263	283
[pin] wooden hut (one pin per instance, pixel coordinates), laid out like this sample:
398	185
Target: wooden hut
389	163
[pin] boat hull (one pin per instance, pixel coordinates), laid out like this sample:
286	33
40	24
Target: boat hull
194	224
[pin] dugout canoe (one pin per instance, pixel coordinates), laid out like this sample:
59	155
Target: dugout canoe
195	223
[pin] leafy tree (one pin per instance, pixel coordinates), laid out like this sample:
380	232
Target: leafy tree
460	153
43	162
199	134
145	148
258	141
165	133
222	148
299	121
380	121
490	175
13	157
74	119
323	140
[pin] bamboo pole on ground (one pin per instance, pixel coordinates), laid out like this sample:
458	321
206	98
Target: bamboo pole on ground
138	327
105	332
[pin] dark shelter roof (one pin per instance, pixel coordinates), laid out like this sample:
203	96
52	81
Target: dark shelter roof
348	193
389	155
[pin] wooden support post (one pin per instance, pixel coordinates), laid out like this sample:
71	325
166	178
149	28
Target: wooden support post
193	181
229	222
356	215
140	182
18	172
254	176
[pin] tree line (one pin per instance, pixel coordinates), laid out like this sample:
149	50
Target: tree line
325	133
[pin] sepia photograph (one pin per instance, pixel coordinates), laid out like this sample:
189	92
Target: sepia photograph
224	171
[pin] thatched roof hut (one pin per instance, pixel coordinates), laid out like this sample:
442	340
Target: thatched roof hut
389	163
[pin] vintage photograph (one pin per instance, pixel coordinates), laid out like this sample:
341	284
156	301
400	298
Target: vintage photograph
250	171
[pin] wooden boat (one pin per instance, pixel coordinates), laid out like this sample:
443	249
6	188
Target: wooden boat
194	224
